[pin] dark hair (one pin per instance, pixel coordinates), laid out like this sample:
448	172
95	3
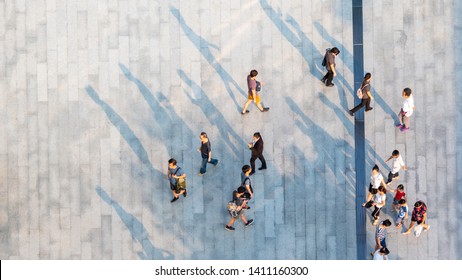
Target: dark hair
407	92
395	153
253	73
382	189
400	187
418	204
384	251
335	50
375	167
245	168
172	161
402	201
367	76
257	134
240	190
204	134
386	223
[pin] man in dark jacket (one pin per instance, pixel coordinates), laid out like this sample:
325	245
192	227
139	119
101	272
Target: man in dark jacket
257	152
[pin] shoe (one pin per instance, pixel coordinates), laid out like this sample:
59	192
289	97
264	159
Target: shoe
229	228
185	193
427	229
399	125
368	109
404	129
249	222
243	113
265	109
174	199
251	173
216	163
248	207
200	174
262	168
330	85
351	113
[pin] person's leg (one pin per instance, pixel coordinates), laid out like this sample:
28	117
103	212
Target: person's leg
330	77
406	121
213	161
400	118
376	213
359	106
263	162
409	228
244	220
252	163
244	109
368	104
390	178
231	222
325	77
203	166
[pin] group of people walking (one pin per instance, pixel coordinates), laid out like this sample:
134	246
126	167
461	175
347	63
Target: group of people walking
378	187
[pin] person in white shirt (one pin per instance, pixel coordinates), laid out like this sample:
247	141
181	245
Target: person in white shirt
376	181
396	164
407	110
379	201
381	254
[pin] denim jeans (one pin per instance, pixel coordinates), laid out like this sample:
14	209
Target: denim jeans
204	164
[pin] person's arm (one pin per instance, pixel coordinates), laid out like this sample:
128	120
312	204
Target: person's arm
383	183
389	158
210	156
424	219
168	174
404	167
332	67
370	95
249	190
377	243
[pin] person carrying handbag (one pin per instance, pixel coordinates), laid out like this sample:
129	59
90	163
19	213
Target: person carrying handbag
364	93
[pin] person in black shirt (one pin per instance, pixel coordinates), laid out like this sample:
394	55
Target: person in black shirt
206	153
241	203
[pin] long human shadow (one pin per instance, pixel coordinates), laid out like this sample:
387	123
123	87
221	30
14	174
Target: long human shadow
204	48
164	112
213	115
334	42
124	130
349	125
137	230
304	45
324	139
383	104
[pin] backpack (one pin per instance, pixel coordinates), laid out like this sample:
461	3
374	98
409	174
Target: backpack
258	86
324	60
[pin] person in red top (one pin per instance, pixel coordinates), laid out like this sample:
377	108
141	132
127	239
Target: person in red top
419	216
398	196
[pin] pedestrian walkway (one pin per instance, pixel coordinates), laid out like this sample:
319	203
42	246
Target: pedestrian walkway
97	96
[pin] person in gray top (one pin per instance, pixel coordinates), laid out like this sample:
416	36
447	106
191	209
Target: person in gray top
330	56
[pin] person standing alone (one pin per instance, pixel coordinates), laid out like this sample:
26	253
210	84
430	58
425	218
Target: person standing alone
406	111
206	152
330	66
254	87
257	152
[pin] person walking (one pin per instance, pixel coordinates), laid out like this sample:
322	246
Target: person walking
206	152
396	164
419	216
174	175
381	235
381	254
402	213
366	95
254	87
406	110
246	182
380	199
257	152
400	194
376	181
240	204
329	58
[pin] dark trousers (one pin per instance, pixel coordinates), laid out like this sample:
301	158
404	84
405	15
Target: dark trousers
364	102
376	212
328	77
261	158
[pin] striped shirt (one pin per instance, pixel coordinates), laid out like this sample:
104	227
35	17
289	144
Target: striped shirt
380	232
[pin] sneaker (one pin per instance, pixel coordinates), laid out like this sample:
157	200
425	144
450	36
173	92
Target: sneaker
174	199
368	109
216	163
262	168
185	193
330	85
404	129
200	174
266	109
427	229
247	208
243	113
249	222
399	125
351	113
229	228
